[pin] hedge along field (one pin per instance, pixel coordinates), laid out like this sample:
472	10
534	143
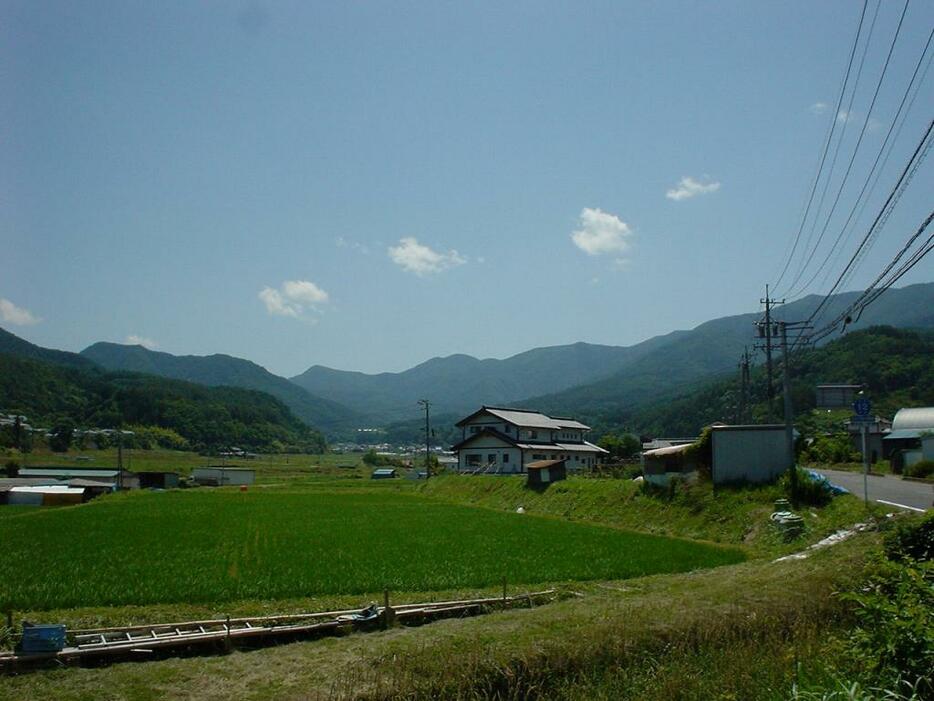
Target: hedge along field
224	545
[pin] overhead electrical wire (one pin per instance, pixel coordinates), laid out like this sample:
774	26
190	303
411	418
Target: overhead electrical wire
835	249
849	168
881	283
896	192
845	117
885	160
827	142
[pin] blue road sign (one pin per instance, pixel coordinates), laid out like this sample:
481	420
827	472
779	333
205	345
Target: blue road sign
862	407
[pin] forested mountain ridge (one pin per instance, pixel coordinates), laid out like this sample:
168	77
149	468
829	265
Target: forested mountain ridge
897	365
207	417
714	348
223	370
12	344
460	383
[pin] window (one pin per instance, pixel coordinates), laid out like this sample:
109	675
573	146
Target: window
491	458
505	457
506	428
533	434
473	458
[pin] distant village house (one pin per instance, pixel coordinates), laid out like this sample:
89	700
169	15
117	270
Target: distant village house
498	440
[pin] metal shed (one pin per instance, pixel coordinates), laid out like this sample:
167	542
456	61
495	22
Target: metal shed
661	464
918	419
749	453
543	472
383	473
158	480
220	476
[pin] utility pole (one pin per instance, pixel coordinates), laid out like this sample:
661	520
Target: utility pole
744	385
789	412
427	404
770	387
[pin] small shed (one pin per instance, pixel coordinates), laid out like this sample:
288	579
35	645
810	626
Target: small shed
545	472
124	479
92	488
749	454
384	473
48	495
661	464
220	476
158	480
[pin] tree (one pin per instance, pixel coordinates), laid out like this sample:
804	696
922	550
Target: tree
61	438
622	447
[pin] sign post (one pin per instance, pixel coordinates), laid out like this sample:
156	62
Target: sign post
862	409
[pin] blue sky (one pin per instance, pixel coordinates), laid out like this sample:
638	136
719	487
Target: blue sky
368	185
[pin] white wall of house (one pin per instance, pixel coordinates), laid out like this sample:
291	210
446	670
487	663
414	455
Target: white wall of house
492	458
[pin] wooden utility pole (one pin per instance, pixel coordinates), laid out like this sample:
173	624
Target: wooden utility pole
427	404
744	386
789	415
770	388
786	391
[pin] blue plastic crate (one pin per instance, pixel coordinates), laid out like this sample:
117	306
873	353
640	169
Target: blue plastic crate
42	638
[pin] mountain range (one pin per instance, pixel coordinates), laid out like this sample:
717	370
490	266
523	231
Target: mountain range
594	382
224	370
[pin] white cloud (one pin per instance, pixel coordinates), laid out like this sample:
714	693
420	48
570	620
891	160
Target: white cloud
689	187
844	116
601	232
819	108
134	340
414	257
18	316
293	298
341	242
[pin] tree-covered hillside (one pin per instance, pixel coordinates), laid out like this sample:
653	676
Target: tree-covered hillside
216	370
896	365
208	417
691	360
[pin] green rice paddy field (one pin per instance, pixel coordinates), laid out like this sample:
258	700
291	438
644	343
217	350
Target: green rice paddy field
224	545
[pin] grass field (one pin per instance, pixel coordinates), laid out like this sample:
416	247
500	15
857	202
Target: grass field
225	545
269	467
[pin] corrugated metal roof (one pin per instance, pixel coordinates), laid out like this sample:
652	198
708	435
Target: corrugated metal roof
48	489
65	472
670	450
903	434
540	464
531	419
570	447
919	418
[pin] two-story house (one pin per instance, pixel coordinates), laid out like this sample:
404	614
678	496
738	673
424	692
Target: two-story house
505	440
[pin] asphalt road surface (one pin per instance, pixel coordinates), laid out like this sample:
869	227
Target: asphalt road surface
885	489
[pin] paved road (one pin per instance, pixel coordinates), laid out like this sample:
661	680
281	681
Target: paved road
891	491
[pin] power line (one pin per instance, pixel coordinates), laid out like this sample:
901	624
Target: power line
880	284
859	141
896	190
823	157
845	117
876	167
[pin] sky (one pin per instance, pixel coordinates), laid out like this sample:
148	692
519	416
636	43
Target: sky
369	185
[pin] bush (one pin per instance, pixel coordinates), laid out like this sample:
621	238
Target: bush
811	491
830	449
924	468
911	539
894	638
374	459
